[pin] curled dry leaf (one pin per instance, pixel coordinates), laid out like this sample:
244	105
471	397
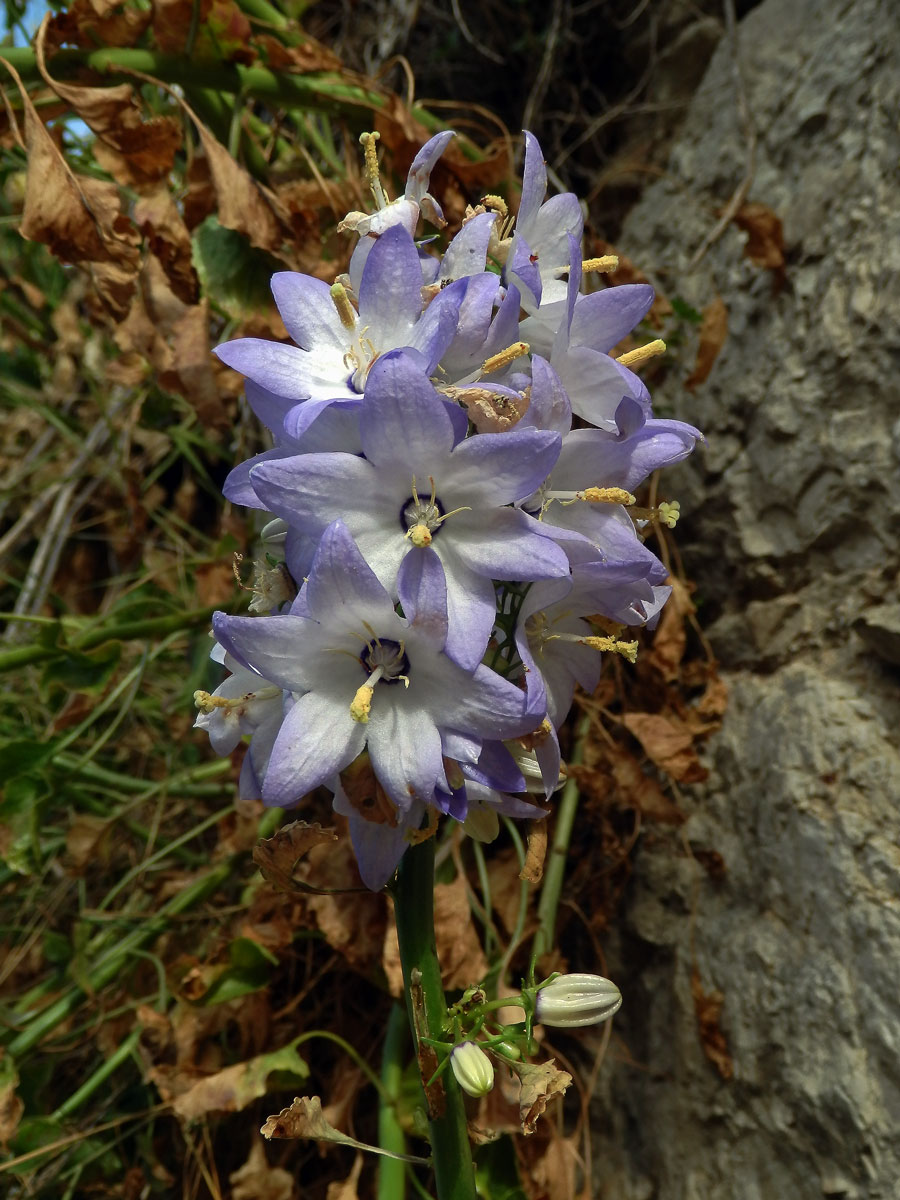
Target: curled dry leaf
277	856
668	743
304	1119
80	219
713	332
134	151
539	1083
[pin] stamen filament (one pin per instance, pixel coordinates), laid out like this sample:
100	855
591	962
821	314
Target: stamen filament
373	178
207	703
634	358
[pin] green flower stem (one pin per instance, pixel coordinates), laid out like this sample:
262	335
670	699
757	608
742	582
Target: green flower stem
427	1009
554	873
322	93
391	1173
87	1089
92	637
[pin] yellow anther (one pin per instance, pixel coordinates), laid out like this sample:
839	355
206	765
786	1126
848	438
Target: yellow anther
208	703
613	646
634	358
603	265
361	705
669	512
496	204
419	535
610	495
497	361
344	308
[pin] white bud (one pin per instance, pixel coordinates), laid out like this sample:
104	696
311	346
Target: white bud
570	1001
472	1068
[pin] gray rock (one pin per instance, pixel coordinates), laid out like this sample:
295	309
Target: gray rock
791	525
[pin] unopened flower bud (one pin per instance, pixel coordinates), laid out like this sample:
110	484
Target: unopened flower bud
472	1068
570	1001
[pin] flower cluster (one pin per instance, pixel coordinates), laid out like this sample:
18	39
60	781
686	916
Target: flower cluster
456	554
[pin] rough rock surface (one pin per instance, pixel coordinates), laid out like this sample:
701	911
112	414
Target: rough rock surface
791	529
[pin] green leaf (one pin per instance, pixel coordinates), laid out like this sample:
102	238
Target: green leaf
21	756
496	1172
233	273
685	311
249	970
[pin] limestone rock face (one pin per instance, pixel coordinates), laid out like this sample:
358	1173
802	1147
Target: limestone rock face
791	530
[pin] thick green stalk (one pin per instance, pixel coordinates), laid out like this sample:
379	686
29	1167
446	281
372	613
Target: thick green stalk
414	908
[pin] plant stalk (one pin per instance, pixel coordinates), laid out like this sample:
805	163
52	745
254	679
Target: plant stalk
427	1009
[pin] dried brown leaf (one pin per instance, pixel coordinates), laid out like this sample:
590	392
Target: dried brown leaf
668	743
256	1180
85	842
708	1007
309	56
670	638
765	236
305	1119
713	332
159	220
92	23
459	950
346	1189
221	31
277	856
134	151
539	1083
638	789
547	1165
533	870
232	1089
80	219
353	922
